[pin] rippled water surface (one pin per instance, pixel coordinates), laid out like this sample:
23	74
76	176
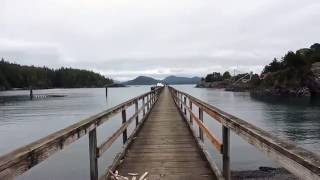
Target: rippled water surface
23	121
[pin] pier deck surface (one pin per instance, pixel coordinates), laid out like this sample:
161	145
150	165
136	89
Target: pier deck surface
165	147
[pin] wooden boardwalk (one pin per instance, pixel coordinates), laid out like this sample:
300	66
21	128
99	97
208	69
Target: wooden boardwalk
165	147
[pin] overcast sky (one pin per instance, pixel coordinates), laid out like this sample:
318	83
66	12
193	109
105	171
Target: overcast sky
126	38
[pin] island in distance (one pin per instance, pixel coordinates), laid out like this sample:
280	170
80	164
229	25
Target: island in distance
144	80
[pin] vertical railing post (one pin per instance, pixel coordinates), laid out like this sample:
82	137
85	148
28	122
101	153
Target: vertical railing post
136	110
124	119
177	96
201	119
143	105
226	153
93	154
150	99
152	95
190	105
148	103
185	103
180	101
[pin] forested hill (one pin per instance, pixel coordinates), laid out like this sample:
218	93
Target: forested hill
19	76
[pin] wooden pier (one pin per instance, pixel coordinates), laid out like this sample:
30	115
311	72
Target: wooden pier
167	142
165	147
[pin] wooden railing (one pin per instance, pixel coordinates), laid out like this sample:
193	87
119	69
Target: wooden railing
298	161
22	159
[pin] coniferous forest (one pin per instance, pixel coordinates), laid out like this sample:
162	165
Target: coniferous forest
13	75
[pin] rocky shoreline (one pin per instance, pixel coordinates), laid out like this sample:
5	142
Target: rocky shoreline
306	86
283	92
264	173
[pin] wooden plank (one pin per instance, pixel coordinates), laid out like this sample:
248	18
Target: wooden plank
200	128
164	170
171	164
144	108
190	112
226	153
136	108
166	150
93	155
185	104
124	119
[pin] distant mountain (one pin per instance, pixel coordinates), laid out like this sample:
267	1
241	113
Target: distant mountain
181	80
142	80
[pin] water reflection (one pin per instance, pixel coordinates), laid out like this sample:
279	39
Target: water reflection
297	119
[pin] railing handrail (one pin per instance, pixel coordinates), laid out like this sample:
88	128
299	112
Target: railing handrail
299	161
24	158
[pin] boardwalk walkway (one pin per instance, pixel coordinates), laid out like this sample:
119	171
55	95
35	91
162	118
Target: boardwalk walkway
165	147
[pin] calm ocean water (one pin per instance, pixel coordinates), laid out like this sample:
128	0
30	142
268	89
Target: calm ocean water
23	121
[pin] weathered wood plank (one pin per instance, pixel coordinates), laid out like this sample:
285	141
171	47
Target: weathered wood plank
93	154
136	108
226	153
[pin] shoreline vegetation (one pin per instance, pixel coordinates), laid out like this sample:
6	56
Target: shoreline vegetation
20	77
297	74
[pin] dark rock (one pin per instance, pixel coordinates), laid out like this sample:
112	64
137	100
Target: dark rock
263	173
265	168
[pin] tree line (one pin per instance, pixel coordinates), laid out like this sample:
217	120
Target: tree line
292	67
300	59
216	76
13	75
293	70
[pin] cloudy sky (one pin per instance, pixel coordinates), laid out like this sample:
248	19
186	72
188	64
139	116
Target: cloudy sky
125	38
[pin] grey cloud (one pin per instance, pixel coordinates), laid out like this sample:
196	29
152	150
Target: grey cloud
123	39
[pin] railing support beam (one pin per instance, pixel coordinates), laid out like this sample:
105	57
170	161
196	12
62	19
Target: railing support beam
124	119
148	102
185	103
93	154
143	105
136	110
201	119
190	105
226	152
180	101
